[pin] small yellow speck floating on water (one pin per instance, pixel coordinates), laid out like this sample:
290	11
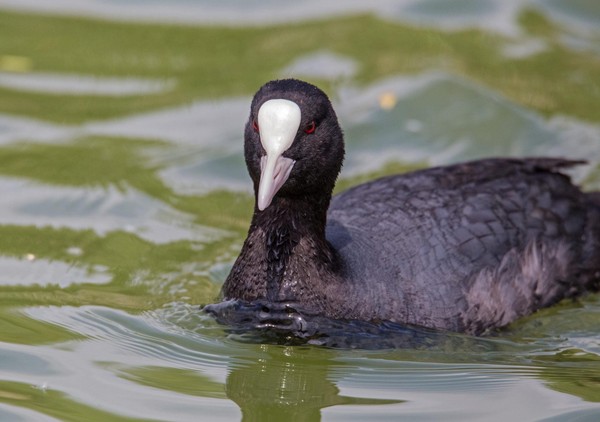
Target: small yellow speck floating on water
387	100
9	63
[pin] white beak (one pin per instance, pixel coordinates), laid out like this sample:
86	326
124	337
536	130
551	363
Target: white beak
278	122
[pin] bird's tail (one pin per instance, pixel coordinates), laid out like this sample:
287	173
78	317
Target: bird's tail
594	198
592	243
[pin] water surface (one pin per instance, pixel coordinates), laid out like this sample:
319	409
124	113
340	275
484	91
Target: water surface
125	200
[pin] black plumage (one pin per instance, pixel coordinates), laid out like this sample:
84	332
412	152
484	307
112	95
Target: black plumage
466	248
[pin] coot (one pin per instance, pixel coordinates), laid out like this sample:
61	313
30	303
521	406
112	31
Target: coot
465	248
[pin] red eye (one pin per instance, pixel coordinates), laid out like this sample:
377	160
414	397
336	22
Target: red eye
255	125
310	128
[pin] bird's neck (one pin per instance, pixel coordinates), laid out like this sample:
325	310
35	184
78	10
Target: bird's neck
284	252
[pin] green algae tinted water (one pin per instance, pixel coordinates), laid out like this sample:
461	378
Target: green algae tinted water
124	200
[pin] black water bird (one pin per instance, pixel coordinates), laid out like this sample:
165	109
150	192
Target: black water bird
466	248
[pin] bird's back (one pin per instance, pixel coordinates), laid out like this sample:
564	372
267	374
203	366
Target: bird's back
465	247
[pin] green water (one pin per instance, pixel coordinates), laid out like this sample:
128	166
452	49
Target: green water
124	200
